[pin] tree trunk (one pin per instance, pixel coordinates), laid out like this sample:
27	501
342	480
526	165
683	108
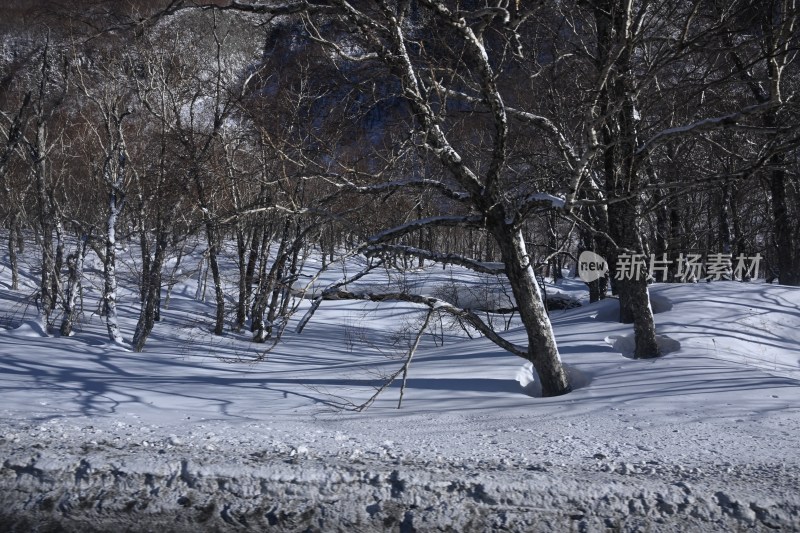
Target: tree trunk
73	290
268	284
58	262
219	293
542	349
258	242
242	246
213	250
144	244
13	231
47	298
662	248
622	172
110	269
634	299
149	312
259	305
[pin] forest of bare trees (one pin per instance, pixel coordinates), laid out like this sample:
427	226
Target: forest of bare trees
501	136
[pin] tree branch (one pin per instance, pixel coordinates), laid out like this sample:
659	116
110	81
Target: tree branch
437	305
723	121
452	259
415	225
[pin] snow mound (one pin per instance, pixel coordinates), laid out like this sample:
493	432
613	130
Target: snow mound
660	303
526	377
30	328
105	344
608	309
626	344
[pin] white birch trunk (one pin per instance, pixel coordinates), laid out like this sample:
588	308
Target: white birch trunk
110	271
72	293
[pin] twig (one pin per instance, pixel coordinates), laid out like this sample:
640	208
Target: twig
411	351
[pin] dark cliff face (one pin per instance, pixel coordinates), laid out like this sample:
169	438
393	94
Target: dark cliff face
356	101
361	99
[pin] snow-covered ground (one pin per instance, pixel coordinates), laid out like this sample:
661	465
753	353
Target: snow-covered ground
194	435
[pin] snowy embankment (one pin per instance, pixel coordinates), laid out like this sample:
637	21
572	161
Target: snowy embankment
192	435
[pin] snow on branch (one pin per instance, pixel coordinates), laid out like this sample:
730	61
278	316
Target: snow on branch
453	259
723	121
273	8
539	201
487	12
315	35
266	209
543	199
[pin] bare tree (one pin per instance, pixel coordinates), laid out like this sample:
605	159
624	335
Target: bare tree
48	95
160	198
12	197
108	91
475	181
766	73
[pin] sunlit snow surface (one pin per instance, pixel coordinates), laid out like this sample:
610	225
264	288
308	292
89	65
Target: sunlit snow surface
195	434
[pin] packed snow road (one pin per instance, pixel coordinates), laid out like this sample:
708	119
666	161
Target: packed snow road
478	475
